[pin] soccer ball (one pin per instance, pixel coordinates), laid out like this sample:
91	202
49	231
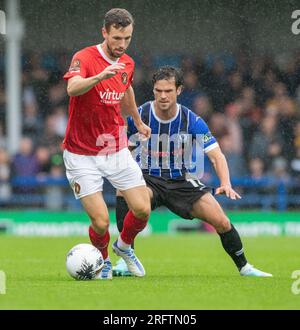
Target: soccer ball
84	262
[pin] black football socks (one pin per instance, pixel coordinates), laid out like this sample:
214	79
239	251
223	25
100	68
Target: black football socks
232	244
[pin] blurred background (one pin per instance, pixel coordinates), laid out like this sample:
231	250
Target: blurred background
241	64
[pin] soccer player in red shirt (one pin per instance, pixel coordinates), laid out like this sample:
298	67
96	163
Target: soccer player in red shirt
95	145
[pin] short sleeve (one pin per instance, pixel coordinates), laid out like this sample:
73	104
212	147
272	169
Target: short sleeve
78	67
200	128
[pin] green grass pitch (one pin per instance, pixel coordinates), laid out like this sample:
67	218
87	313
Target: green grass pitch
183	272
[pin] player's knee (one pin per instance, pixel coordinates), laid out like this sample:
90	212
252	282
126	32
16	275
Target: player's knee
142	212
223	225
100	222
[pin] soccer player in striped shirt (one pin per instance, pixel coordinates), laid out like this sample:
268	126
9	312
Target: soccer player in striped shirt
171	180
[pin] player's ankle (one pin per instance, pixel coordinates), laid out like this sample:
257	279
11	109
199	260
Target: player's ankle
122	245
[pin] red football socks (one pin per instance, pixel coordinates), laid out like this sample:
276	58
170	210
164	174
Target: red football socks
131	227
100	242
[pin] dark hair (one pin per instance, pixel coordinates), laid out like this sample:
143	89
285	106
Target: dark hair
118	18
168	72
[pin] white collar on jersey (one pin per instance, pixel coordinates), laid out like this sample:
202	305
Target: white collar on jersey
161	120
99	47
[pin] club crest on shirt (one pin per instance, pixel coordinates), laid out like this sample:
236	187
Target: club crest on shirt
75	66
207	137
124	77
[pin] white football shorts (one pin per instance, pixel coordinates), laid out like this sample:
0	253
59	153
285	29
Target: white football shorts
86	173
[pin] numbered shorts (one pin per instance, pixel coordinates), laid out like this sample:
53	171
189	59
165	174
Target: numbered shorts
178	195
86	173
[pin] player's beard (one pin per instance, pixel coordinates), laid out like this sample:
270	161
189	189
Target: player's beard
112	54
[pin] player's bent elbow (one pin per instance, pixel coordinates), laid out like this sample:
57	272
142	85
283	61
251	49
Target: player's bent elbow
71	91
73	88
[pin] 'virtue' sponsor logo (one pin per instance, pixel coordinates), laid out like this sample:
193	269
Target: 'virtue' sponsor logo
110	96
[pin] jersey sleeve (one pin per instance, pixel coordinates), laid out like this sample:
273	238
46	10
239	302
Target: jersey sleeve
78	67
201	129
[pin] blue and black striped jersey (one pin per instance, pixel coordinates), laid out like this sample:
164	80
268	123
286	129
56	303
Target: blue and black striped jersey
164	154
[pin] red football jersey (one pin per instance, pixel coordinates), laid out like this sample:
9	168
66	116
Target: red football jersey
95	124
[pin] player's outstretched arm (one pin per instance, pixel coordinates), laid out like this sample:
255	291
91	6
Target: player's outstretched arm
78	85
220	165
129	108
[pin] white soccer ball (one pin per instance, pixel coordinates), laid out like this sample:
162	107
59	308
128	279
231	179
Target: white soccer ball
84	262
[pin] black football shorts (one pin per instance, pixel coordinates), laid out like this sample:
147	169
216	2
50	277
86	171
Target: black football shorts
178	195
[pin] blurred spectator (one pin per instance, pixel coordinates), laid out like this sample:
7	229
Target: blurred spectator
2	103
233	113
50	138
143	80
250	109
235	85
295	162
188	65
25	162
257	173
2	136
43	158
190	91
39	81
216	85
266	143
290	74
287	117
250	114
32	123
287	112
55	193
5	189
57	95
297	135
218	125
297	96
143	85
61	120
256	168
202	107
279	169
232	142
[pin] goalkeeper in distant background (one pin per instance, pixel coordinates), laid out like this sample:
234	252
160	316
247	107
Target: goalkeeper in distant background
167	170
